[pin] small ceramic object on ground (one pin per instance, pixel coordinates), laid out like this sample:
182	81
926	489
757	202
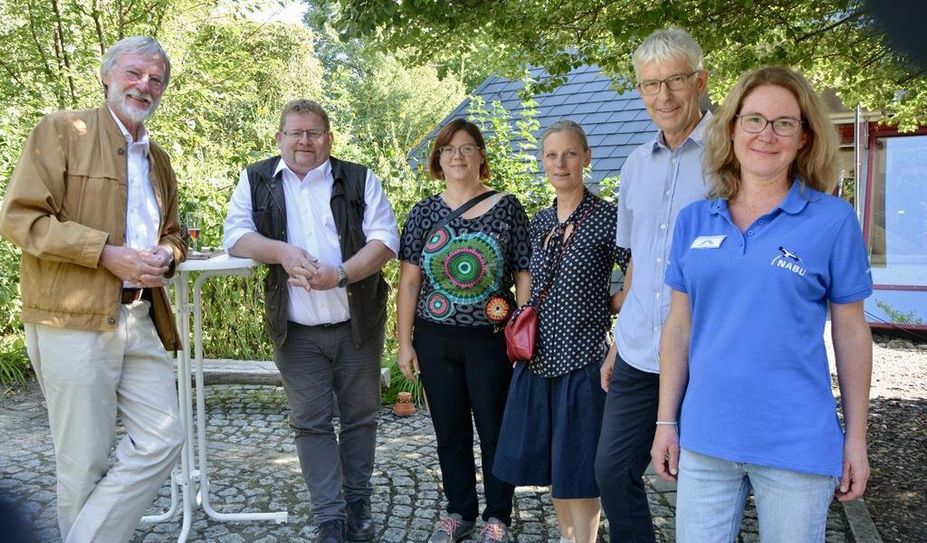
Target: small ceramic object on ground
404	406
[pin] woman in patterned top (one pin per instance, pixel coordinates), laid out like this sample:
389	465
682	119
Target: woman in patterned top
455	292
554	409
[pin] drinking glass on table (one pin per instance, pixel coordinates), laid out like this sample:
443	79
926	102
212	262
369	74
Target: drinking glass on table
193	228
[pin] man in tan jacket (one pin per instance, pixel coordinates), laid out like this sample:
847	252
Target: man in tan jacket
93	205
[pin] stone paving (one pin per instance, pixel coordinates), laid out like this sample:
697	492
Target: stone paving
254	468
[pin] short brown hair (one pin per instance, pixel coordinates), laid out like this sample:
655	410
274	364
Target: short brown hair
302	106
815	165
445	135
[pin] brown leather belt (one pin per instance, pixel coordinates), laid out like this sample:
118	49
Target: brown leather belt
130	295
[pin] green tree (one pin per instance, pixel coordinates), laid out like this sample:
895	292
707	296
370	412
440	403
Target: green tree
831	41
229	79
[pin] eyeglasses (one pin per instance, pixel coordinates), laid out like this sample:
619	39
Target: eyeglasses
466	149
134	76
673	83
313	134
783	126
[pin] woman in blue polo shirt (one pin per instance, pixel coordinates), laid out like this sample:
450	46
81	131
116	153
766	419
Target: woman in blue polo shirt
754	269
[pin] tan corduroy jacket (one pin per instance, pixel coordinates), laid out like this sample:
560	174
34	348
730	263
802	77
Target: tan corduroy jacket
65	202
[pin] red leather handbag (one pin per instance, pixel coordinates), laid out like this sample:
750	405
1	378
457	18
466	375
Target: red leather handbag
521	334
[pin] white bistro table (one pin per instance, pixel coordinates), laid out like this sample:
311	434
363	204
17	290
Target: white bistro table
193	474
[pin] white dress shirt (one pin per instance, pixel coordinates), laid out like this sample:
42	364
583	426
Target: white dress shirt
143	217
311	227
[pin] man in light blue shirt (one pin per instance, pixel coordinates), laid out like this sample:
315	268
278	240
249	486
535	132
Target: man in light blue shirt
659	178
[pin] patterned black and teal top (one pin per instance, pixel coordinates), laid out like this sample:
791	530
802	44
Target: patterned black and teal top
468	262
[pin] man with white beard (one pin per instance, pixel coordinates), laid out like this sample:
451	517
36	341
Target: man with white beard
93	205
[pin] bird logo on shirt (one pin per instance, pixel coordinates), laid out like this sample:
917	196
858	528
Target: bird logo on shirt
789	254
788	260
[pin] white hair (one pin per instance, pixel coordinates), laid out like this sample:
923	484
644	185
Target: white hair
666	45
139	45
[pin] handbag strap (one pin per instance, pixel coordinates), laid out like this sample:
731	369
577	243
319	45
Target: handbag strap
542	294
459	211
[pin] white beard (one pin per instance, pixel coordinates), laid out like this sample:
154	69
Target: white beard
119	103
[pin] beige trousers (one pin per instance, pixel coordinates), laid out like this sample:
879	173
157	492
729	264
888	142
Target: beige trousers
88	378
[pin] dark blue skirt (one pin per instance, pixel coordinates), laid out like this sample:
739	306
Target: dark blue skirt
550	432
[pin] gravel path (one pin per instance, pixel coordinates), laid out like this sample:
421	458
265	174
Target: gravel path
897	493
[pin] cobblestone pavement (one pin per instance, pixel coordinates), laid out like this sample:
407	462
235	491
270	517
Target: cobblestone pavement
254	468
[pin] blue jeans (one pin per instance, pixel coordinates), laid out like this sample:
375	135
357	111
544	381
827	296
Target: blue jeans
791	507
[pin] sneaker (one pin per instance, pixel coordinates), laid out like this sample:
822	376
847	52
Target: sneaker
330	531
452	528
494	531
359	526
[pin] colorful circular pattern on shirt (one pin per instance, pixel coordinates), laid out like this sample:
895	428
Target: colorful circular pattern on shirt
497	309
438	306
466	269
437	240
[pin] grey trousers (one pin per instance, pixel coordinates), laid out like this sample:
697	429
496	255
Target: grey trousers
314	362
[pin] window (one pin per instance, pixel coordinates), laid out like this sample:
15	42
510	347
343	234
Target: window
898	211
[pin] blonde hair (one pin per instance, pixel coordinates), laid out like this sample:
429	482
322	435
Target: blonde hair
302	106
565	125
815	165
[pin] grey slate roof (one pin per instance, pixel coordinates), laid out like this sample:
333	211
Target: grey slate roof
614	123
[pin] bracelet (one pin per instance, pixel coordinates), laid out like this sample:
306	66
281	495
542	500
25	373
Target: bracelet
667	423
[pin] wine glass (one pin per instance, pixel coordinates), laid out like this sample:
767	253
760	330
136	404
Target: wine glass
193	228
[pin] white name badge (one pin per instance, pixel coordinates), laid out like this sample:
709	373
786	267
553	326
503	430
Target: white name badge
707	242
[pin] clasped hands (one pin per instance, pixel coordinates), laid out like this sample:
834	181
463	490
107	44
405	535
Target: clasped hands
305	270
145	268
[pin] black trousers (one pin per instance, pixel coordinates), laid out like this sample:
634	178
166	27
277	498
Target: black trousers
466	376
628	427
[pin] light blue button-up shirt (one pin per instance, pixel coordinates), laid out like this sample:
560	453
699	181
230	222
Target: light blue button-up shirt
656	183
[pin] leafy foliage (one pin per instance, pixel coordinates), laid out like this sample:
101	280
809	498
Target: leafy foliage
897	316
832	41
230	78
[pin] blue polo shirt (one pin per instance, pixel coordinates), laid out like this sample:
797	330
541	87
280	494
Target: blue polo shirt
759	386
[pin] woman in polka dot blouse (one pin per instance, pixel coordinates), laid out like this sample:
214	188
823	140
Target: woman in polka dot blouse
554	409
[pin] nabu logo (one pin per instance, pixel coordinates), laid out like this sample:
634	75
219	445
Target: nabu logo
788	260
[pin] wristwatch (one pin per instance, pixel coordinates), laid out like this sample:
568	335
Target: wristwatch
342	277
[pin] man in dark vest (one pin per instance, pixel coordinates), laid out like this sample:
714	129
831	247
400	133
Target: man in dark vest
326	229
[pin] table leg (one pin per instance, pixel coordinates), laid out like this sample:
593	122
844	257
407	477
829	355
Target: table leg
278	517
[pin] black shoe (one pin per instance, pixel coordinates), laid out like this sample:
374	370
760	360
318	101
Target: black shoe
330	531
360	526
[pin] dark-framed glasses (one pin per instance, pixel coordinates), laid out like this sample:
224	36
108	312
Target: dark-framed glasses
132	75
466	149
312	133
783	126
674	83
